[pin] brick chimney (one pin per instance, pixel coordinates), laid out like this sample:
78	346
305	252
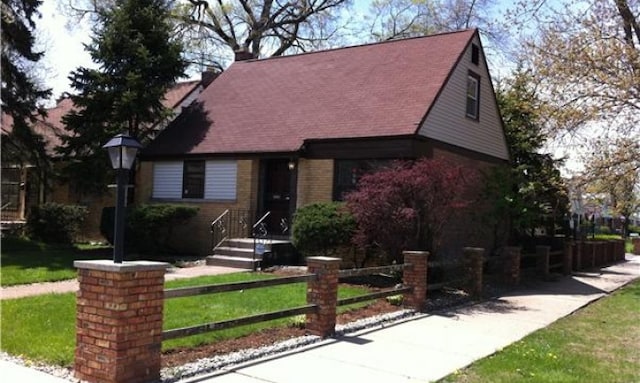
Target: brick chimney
209	75
242	54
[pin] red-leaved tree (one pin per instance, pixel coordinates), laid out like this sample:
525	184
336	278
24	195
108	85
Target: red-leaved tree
407	205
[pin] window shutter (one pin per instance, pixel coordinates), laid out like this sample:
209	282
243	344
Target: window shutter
221	180
167	180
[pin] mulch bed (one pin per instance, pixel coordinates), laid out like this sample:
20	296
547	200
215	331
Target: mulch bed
180	356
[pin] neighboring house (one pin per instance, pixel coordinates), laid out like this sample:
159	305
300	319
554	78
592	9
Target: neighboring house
279	133
21	190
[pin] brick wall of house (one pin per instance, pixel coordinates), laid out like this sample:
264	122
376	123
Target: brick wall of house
95	204
195	237
471	229
61	192
144	182
315	181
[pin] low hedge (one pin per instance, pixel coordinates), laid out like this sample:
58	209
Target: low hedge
55	223
321	228
149	227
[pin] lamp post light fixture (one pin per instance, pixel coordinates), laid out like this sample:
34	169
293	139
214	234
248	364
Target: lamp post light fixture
122	151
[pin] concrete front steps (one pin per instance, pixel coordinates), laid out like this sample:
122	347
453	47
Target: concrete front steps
239	253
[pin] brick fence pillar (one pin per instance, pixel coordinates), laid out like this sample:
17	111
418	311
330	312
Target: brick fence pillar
512	265
542	260
119	321
474	260
567	258
415	276
323	291
577	255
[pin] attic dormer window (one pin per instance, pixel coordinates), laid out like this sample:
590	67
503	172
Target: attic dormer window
473	96
475	54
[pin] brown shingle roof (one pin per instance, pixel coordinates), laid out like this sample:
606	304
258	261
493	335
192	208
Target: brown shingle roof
51	126
274	105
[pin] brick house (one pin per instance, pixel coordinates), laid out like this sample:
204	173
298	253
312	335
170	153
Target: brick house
279	133
22	189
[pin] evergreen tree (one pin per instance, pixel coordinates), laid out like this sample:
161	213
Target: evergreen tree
531	193
138	62
20	91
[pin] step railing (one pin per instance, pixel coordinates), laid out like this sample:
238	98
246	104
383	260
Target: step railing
219	230
260	234
235	223
231	224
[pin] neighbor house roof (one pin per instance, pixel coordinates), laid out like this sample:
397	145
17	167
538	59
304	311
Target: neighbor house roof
52	126
275	104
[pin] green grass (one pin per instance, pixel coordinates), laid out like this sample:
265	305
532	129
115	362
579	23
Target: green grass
42	328
597	344
25	261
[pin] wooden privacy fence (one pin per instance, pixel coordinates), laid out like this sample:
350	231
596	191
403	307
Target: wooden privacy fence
590	254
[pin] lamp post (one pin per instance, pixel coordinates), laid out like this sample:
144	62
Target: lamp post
122	151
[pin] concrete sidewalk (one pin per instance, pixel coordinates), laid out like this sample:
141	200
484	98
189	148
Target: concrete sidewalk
71	285
428	347
422	348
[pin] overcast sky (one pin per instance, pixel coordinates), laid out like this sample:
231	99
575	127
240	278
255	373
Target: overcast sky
64	51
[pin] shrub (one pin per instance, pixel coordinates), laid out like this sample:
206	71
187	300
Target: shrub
55	223
634	229
407	205
149	228
603	229
321	228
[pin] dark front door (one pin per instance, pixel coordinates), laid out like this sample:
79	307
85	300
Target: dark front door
277	195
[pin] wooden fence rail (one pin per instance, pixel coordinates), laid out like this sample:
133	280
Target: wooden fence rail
221	325
371	270
372	296
328	284
234	286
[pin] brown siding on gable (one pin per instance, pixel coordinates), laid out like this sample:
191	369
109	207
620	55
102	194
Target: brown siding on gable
315	181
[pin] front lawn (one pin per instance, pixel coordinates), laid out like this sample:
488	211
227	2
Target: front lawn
25	261
597	344
43	327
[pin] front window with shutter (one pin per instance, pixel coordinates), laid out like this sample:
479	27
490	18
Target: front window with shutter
213	180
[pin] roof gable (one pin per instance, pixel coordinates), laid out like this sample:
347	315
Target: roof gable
447	121
274	105
52	126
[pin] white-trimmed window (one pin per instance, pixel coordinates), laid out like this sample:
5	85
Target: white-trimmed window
199	179
473	96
